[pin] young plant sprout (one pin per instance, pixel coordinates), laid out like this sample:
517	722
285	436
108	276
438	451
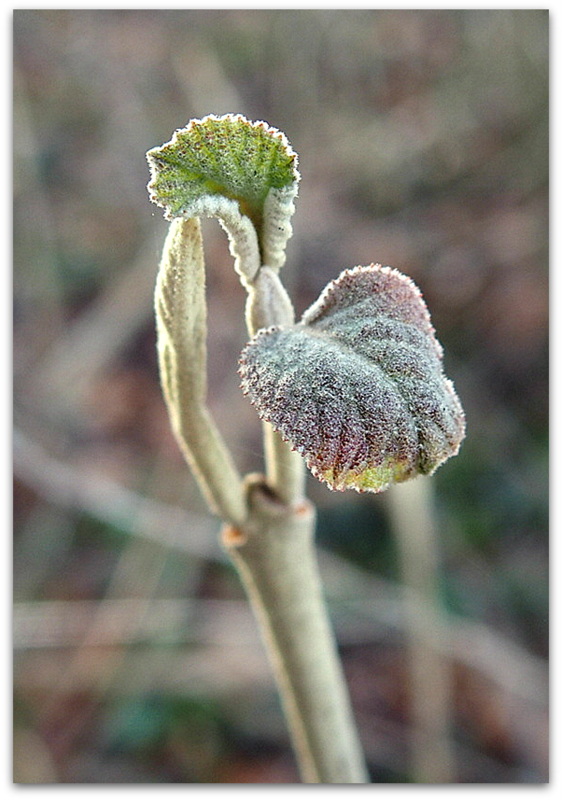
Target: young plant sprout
355	390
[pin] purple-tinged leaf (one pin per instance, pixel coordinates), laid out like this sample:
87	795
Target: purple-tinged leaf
357	386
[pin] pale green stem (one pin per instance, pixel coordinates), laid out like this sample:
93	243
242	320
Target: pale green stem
274	555
411	512
181	323
270	527
268	304
285	468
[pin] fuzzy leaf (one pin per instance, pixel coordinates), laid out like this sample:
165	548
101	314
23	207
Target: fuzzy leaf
357	386
217	162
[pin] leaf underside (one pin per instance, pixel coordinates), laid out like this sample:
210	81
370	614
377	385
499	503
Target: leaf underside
357	387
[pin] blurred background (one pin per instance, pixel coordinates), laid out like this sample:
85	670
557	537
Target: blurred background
423	143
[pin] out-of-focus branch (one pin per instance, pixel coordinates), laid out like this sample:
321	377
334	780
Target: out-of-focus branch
93	342
88	490
364	607
411	512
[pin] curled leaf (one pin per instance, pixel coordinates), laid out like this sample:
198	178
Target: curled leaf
245	173
357	386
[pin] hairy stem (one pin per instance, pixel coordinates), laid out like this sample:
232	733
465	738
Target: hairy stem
269	305
285	468
275	558
181	324
274	555
270	527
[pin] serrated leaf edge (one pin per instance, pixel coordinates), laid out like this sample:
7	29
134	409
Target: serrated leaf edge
278	205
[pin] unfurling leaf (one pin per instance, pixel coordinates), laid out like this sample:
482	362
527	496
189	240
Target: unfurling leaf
245	173
357	386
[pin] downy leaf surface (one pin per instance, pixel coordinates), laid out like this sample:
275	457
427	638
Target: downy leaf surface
229	167
357	386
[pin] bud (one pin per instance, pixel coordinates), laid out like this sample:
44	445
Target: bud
243	173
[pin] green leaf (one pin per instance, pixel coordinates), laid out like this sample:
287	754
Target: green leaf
228	159
357	386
